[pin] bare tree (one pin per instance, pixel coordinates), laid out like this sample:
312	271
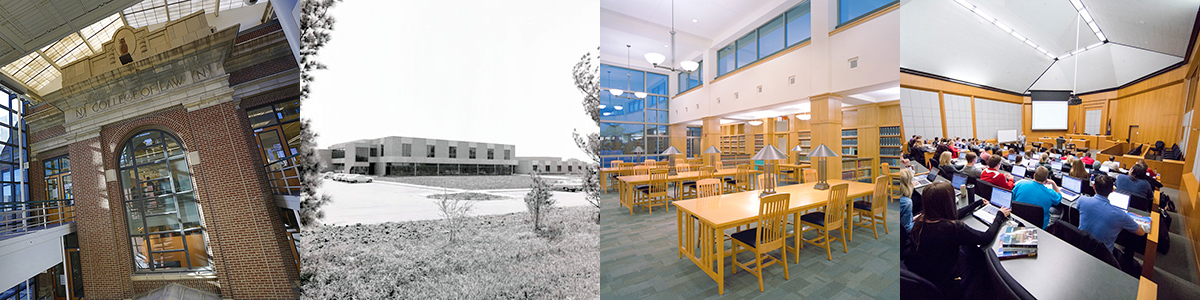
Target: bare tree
455	211
587	82
316	26
539	200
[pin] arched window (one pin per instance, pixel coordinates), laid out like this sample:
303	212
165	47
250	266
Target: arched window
165	224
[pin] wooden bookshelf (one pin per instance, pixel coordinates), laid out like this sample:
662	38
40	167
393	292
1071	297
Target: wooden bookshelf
891	141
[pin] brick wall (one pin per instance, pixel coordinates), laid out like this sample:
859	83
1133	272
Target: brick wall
246	237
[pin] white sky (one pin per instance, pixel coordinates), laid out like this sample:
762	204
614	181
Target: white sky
478	71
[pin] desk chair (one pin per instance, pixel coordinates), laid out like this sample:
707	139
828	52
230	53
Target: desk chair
769	235
740	181
1031	213
788	175
612	181
810	175
689	188
833	218
1138	202
707	189
649	162
929	160
656	193
662	164
875	211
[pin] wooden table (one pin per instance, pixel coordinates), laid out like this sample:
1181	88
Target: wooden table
606	172
626	183
718	213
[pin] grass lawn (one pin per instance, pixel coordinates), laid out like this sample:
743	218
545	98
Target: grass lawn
499	257
467	182
469	196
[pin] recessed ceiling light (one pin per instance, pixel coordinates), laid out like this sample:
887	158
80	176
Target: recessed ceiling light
694	21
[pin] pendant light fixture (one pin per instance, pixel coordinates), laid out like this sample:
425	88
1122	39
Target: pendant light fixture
656	59
614	92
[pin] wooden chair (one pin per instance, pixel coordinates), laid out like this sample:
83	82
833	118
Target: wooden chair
689	188
626	169
615	164
612	182
656	193
929	160
833	218
875	211
663	164
769	235
810	175
740	181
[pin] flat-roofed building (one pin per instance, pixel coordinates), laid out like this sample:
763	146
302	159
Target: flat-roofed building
550	165
408	156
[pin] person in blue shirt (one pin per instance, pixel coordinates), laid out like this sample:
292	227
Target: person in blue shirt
1101	219
1136	183
1040	191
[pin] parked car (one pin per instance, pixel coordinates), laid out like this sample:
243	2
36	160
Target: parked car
356	178
327	175
568	185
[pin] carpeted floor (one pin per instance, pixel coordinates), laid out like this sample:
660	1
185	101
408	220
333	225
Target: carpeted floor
638	259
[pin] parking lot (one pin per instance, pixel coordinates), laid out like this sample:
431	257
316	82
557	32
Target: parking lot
383	201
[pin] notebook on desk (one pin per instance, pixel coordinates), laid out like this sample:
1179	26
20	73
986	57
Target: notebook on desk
1071	188
1001	198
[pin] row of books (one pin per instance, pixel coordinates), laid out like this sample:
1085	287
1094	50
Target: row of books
890	151
890	141
889	130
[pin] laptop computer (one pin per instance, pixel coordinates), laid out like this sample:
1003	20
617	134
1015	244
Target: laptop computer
922	181
962	155
1001	198
1056	165
1012	157
1071	188
1121	200
959	180
1018	173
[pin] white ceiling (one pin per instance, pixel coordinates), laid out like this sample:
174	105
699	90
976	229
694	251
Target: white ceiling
943	38
645	25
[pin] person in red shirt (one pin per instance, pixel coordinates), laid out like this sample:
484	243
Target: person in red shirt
1087	159
994	176
953	149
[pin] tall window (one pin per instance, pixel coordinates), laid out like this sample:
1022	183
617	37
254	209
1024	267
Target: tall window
471	155
58	180
338	153
430	152
632	128
406	150
491	153
507	154
164	219
453	152
13	151
693	141
789	29
277	128
852	10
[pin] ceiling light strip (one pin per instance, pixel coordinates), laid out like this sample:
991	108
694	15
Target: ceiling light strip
1021	38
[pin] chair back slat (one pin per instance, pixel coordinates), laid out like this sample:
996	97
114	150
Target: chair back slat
649	162
882	190
663	163
835	209
658	180
708	187
772	221
707	172
615	164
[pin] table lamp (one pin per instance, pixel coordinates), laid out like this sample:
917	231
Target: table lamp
671	160
714	151
797	149
821	152
769	155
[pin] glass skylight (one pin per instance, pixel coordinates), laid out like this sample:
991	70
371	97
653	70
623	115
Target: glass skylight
102	31
67	50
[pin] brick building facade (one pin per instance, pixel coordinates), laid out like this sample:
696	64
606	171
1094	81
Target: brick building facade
200	88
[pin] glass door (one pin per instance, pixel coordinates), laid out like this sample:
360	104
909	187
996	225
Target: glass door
271	144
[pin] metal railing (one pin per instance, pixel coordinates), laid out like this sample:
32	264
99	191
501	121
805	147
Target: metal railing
21	217
284	176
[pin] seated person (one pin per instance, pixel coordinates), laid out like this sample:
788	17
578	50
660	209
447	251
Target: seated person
945	167
1078	171
1151	175
1103	220
906	192
1086	158
994	176
1136	182
971	169
1041	191
937	235
1112	164
1044	161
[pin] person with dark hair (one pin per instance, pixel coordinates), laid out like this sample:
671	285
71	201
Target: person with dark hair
1041	191
994	176
938	234
1101	219
1151	175
1136	183
971	169
1112	164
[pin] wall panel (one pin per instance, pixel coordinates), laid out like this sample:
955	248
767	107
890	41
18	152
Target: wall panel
921	112
991	115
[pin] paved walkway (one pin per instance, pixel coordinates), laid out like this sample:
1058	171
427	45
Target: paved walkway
380	202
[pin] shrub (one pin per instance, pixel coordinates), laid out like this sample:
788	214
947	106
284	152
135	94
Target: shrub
539	200
454	211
